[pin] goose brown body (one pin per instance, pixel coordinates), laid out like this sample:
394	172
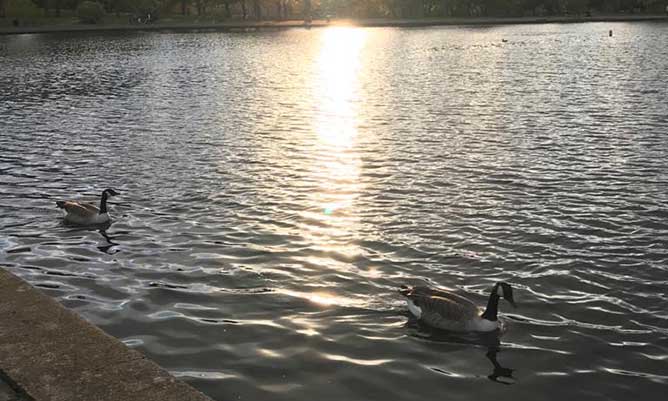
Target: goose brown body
84	213
450	311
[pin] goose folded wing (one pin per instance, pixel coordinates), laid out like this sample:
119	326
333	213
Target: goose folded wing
80	209
448	309
451	296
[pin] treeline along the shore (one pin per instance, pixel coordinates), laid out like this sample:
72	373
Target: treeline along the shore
153	10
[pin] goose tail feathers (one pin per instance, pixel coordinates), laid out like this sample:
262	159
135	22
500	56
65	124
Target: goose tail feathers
60	204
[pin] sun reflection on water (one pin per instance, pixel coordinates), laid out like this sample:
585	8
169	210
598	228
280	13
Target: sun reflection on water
320	169
337	163
338	67
329	223
323	298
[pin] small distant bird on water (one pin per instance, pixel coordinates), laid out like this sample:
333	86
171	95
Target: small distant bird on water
504	40
86	213
449	311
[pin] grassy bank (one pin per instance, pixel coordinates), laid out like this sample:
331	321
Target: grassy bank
46	25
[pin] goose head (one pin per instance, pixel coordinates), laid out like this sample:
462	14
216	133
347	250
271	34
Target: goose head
111	192
505	291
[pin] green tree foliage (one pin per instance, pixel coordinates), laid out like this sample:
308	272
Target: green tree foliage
22	9
146	7
90	12
118	6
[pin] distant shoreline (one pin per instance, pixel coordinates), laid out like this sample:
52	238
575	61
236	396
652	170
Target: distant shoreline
258	25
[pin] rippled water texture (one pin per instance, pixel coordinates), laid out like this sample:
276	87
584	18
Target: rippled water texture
278	186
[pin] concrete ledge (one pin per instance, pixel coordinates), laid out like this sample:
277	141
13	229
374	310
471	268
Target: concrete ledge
48	353
7	392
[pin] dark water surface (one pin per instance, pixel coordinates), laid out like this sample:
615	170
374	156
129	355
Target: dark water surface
278	186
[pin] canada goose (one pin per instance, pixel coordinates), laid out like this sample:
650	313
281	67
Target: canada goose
449	311
86	213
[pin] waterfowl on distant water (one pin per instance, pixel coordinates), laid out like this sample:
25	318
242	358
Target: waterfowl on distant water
449	311
86	213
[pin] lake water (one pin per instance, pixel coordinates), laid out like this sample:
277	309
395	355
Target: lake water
277	187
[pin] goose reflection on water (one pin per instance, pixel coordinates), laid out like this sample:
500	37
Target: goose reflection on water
491	341
108	247
500	374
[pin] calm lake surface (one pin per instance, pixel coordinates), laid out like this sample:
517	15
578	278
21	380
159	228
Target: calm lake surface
277	188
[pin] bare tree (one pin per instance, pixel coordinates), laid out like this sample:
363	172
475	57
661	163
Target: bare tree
307	11
282	9
228	12
257	10
244	12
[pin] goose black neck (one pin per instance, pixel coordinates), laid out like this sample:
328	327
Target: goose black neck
103	203
492	308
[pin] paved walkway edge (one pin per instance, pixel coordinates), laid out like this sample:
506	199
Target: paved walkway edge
49	353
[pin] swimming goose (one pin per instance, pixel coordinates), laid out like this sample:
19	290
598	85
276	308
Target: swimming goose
85	213
449	311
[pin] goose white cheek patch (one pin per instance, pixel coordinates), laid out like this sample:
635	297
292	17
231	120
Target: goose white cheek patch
415	310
